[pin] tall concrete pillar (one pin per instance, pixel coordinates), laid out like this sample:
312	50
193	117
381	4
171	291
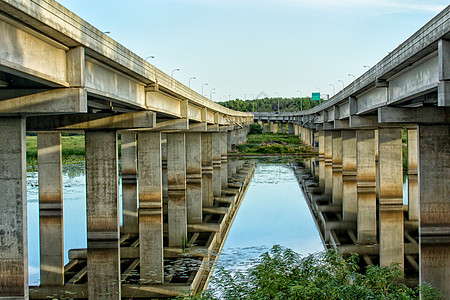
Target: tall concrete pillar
164	164
13	214
150	207
328	164
275	127
413	187
265	127
434	215
207	170
50	209
322	160
290	128
367	222
349	191
377	173
337	167
176	180
216	160
391	239
129	184
103	250
194	177
223	160
296	130
283	128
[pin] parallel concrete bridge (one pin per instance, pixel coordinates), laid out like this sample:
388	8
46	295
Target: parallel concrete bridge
355	186
180	192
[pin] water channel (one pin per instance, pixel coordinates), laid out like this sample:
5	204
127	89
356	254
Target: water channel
274	211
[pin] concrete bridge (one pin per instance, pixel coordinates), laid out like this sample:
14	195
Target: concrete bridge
180	192
355	186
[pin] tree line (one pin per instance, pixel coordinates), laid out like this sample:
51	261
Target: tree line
271	104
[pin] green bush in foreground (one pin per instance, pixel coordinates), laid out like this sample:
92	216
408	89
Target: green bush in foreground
283	274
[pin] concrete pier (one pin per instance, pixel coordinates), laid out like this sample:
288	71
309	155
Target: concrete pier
194	177
391	196
365	157
434	217
216	164
150	208
413	187
322	160
328	148
13	193
223	160
207	170
176	180
103	251
336	167
51	231
129	183
349	176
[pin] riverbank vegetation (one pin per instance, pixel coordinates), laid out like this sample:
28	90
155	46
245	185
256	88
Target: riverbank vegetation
271	104
283	274
259	143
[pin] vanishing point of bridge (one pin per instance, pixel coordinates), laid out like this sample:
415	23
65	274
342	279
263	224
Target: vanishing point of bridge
180	189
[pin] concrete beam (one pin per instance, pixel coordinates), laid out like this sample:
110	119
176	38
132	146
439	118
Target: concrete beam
65	100
97	121
444	59
415	115
198	127
363	121
171	125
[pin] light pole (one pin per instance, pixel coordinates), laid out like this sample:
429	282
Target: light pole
210	93
334	90
343	84
278	98
151	56
366	67
253	102
354	77
190	81
175	70
301	100
203	86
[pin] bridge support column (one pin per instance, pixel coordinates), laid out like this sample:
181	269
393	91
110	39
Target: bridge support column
194	177
337	167
290	128
176	180
207	170
216	159
50	209
328	164
349	190
103	250
150	207
13	191
223	160
129	183
367	222
413	188
265	127
296	130
283	128
322	160
391	237
274	127
434	218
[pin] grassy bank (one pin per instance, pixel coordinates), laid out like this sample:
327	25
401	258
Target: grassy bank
272	144
72	149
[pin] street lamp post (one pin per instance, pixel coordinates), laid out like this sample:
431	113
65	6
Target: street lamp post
175	70
354	77
334	90
203	86
278	98
151	56
343	84
210	93
301	100
253	102
190	81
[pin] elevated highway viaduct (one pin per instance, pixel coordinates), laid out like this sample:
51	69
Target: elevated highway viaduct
60	74
359	173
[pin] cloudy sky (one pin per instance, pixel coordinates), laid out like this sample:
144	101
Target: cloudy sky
248	47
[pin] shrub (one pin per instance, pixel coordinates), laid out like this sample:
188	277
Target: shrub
255	128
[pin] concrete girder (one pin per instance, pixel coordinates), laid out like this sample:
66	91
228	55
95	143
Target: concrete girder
97	121
417	115
65	100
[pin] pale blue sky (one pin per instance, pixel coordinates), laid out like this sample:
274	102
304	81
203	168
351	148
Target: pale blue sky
252	46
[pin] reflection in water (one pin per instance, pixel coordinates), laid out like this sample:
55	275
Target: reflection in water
274	211
74	193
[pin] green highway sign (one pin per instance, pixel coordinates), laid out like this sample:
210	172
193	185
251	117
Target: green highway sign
315	97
